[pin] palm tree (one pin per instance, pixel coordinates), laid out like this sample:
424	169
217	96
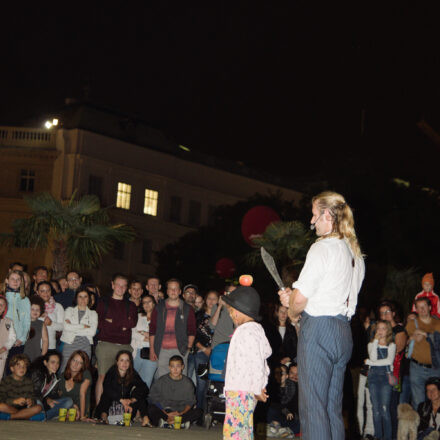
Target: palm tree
78	232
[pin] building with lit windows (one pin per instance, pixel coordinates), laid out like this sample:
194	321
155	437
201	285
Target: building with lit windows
161	188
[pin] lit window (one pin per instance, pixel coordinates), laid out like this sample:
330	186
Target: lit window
123	196
150	204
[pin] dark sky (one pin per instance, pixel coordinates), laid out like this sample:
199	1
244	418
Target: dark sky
279	86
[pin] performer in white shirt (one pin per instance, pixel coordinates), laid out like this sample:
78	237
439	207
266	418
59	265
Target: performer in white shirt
325	297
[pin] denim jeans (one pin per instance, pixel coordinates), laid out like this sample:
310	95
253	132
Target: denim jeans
194	360
418	376
145	368
63	402
380	393
405	395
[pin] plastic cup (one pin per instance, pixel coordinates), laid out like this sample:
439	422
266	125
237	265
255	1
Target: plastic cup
62	414
127	419
177	422
72	414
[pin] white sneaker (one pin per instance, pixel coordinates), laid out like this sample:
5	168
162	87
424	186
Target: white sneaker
186	425
271	431
161	423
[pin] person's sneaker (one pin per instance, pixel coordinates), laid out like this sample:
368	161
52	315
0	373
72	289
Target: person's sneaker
161	423
40	417
186	425
271	431
5	416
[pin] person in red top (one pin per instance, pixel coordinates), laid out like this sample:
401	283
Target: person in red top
427	292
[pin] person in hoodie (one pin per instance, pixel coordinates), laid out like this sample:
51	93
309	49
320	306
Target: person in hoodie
428	292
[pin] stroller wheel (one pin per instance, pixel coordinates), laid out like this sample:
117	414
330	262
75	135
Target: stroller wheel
207	421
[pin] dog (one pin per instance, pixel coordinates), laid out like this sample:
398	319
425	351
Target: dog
408	422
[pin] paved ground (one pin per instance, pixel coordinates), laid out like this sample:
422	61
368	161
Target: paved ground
17	430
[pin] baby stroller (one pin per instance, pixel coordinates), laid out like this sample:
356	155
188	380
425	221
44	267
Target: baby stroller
215	398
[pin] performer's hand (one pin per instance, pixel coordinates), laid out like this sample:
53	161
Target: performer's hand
285	296
290	416
263	396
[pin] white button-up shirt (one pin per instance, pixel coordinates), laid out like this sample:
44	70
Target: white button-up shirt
328	278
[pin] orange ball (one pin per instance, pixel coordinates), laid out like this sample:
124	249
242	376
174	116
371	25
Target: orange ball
246	280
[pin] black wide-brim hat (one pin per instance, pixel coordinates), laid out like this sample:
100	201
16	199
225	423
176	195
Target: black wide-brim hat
246	300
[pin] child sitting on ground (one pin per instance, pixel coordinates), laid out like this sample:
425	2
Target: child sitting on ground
17	397
246	367
173	395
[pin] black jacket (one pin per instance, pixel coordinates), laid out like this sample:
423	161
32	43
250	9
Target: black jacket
281	348
425	410
40	379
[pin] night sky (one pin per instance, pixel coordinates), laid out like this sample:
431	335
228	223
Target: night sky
279	86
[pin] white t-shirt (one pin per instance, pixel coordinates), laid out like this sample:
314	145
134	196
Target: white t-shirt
328	278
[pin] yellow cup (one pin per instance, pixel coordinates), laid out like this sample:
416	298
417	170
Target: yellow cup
62	414
72	414
127	419
177	422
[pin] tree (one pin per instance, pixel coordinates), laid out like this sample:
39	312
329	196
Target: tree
78	231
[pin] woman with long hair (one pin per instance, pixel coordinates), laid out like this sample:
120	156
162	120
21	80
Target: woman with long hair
140	341
75	383
53	315
7	334
47	384
123	387
38	341
80	324
19	311
381	352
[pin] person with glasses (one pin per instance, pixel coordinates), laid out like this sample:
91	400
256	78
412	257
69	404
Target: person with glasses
66	297
80	324
76	382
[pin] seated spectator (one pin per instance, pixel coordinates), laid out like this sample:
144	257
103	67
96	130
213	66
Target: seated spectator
53	315
428	292
140	341
80	324
123	386
17	396
67	297
38	341
429	410
47	385
7	334
76	382
173	395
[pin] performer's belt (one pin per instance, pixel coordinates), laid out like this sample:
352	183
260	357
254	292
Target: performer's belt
422	365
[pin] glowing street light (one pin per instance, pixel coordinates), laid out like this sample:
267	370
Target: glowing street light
49	124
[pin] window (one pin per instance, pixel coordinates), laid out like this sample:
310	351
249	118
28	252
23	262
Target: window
27	180
212	215
150	203
95	186
123	196
147	248
118	250
195	210
175	209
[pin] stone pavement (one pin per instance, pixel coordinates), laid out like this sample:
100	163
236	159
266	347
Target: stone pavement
25	430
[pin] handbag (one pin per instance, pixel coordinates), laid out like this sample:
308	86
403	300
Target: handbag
145	353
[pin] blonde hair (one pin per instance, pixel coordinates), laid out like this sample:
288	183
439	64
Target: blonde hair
343	221
389	335
22	289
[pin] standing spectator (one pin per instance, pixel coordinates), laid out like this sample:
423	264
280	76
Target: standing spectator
135	291
173	395
67	296
199	303
428	292
220	322
123	385
19	311
80	325
76	383
7	334
140	339
63	283
53	315
381	352
190	291
38	341
421	368
41	273
116	317
172	328
47	384
55	287
153	288
202	345
16	266
27	284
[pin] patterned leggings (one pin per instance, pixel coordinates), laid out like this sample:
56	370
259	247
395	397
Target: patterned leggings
239	418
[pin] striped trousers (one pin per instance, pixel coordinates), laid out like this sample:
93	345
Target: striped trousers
324	349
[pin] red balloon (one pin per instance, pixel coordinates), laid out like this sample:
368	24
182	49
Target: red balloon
255	222
225	268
